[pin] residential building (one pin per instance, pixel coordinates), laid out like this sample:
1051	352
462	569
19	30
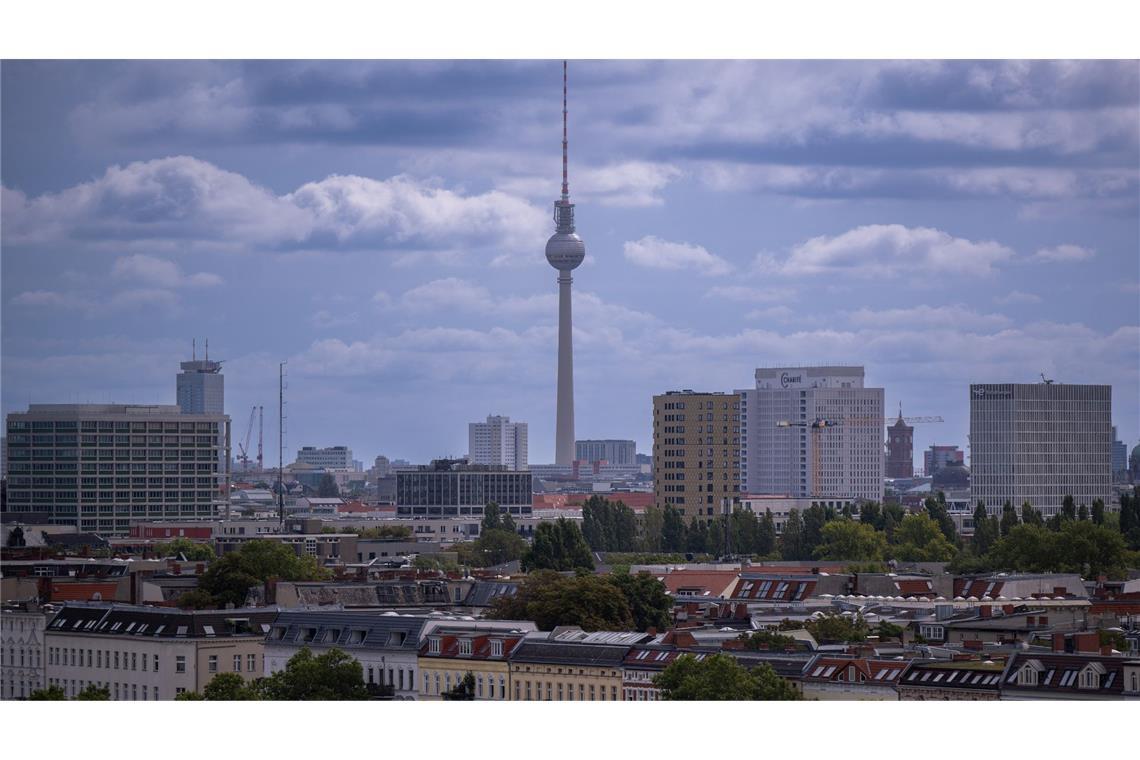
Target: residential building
900	449
696	452
643	664
451	488
568	664
812	432
330	458
201	387
829	677
151	653
615	452
1071	677
969	680
453	650
22	657
1119	459
1040	442
937	457
102	466
498	442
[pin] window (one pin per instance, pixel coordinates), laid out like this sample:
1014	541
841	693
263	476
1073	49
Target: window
237	663
134	661
433	645
156	663
116	660
179	690
465	646
212	664
479	687
180	664
496	648
251	663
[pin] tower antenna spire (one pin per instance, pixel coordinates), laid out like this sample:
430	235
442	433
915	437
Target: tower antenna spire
565	141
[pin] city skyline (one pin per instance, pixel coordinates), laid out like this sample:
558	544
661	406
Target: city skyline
380	226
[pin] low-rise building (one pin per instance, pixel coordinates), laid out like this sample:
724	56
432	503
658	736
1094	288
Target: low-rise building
452	650
833	677
22	648
969	680
568	664
1071	676
151	653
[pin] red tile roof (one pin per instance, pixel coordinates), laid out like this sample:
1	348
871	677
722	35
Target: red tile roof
714	582
872	672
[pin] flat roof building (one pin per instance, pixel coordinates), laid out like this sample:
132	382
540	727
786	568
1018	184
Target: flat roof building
498	442
453	488
696	452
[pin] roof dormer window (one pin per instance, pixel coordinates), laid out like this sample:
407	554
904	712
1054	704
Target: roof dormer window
465	646
496	648
433	645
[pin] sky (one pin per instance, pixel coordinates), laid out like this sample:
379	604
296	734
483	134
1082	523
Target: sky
380	227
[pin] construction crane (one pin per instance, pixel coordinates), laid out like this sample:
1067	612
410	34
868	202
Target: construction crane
817	426
243	444
260	439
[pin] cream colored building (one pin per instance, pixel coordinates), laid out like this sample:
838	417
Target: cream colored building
449	653
570	665
696	452
151	653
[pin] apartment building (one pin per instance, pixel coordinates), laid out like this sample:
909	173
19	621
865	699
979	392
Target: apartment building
22	657
568	664
451	651
498	442
696	452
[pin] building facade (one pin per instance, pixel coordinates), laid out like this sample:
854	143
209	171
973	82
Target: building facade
696	452
498	442
937	457
201	387
451	651
22	657
1119	459
102	466
1040	442
615	452
570	665
900	450
151	653
784	452
332	457
453	488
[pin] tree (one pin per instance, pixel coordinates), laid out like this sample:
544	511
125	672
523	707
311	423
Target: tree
592	602
815	517
850	540
380	532
51	693
229	687
192	550
936	508
1068	509
609	526
558	545
765	534
1091	550
984	533
440	562
464	691
767	640
1030	516
229	578
831	628
1098	511
1008	519
888	630
652	526
697	537
496	546
1027	548
672	530
491	518
196	600
792	541
1082	513
649	603
334	675
94	693
919	539
327	487
720	677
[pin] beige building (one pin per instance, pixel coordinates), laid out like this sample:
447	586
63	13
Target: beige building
449	653
151	653
696	452
571	665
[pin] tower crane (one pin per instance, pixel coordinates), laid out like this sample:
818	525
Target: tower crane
817	426
260	439
243	444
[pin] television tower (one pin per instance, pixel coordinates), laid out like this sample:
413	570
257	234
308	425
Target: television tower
565	251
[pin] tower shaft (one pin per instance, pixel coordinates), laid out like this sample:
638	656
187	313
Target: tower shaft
564	422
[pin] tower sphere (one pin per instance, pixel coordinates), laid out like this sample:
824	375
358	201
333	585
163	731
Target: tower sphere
565	251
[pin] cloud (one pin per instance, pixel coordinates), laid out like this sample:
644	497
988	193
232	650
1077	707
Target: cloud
654	253
1017	296
1063	254
160	272
746	294
183	199
889	250
957	317
323	319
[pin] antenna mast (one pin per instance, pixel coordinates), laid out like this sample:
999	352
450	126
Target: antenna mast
281	445
565	142
260	438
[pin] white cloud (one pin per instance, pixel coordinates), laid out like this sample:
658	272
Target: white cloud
957	317
1063	253
160	272
1017	296
654	253
889	250
745	294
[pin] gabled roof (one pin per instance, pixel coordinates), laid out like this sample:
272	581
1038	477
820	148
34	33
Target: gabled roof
972	675
481	644
540	651
763	587
160	622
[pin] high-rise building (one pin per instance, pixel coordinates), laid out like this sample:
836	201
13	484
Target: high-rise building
1119	458
498	442
331	458
454	488
614	452
812	432
102	466
696	452
564	251
1040	442
900	449
937	457
201	386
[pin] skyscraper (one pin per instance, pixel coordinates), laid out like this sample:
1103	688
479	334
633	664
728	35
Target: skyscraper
498	441
1040	442
201	387
565	251
696	452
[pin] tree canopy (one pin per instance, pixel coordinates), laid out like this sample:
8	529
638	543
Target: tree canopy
558	545
334	675
720	677
229	578
850	540
592	602
920	539
192	550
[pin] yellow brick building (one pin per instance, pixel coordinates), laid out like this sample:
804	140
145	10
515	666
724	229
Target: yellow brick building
696	452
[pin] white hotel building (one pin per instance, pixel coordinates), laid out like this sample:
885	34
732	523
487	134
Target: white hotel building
844	461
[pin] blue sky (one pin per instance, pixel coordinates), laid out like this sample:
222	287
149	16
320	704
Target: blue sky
380	225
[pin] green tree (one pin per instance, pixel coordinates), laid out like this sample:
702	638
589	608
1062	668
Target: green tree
496	546
887	630
196	600
51	693
792	540
919	539
464	691
229	687
558	545
652	527
1008	519
765	534
1030	516
697	537
327	487
767	640
192	550
1028	548
936	508
1082	513
984	533
852	541
492	519
592	602
1091	550
229	578
831	628
720	677
1098	511
333	675
814	517
381	532
672	530
437	561
649	603
94	693
1068	509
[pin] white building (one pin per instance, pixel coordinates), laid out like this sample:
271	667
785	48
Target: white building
22	649
781	506
498	441
331	458
781	453
616	452
1040	442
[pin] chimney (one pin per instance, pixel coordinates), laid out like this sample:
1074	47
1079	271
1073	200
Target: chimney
1058	642
1086	643
985	611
